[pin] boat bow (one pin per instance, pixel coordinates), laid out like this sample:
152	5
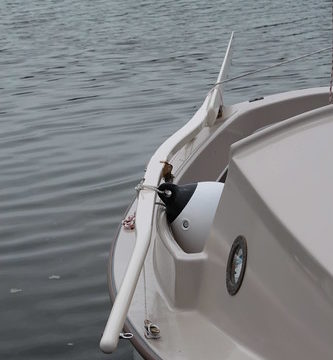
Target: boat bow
205	116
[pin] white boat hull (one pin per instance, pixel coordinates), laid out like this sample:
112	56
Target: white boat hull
183	290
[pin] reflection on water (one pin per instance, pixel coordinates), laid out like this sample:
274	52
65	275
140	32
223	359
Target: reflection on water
88	90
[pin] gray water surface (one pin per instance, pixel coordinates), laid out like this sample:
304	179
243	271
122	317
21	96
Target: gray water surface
88	90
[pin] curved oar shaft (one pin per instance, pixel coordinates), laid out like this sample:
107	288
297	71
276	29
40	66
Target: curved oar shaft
123	300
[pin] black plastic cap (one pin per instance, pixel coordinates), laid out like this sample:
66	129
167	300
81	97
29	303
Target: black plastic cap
175	198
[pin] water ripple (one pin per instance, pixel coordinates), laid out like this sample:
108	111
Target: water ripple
88	91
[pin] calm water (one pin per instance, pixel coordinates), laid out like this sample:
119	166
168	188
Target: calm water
88	90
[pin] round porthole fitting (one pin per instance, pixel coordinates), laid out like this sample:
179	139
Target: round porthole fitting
236	265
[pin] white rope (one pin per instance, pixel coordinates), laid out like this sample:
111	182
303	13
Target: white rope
151	331
141	186
271	66
145	290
